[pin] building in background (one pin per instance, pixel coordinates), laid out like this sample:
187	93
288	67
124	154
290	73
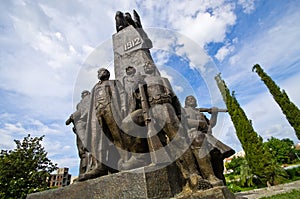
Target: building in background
61	179
297	146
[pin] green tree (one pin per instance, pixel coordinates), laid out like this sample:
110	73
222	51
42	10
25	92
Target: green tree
235	165
288	108
282	150
246	175
25	169
259	159
241	171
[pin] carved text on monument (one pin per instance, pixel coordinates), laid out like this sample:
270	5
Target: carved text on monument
132	43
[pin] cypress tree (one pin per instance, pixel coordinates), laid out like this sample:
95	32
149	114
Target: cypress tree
288	108
258	157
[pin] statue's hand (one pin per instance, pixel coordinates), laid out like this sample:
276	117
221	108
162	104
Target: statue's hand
213	110
202	126
70	120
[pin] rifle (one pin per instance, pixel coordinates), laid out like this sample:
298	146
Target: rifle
209	110
153	140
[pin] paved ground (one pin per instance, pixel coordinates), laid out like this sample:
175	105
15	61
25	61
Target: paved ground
274	190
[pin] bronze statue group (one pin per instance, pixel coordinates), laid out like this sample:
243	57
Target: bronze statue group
138	121
121	126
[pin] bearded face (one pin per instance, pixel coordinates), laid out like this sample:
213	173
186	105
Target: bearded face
190	101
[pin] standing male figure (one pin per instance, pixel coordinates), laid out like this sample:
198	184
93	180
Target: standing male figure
105	138
137	144
130	83
209	151
109	100
165	114
79	119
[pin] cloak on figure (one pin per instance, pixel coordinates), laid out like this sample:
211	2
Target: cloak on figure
97	142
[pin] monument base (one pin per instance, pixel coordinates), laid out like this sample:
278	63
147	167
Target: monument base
213	193
145	182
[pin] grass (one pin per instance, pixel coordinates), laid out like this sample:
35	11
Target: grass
294	194
236	188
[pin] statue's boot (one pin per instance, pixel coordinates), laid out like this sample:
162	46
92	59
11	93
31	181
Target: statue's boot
218	164
136	161
208	172
204	184
214	181
188	168
196	182
94	173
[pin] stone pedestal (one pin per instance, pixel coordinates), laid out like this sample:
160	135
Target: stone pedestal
145	182
213	193
139	183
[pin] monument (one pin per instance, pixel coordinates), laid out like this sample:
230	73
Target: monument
134	138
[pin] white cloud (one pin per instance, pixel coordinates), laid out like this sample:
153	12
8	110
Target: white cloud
226	133
199	24
224	51
9	132
7	142
292	88
69	162
268	119
248	5
202	21
164	74
178	89
204	26
273	47
33	127
59	36
161	57
6	116
13	128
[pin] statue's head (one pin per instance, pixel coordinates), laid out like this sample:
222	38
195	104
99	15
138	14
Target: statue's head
119	14
127	14
149	68
103	74
130	70
85	93
190	101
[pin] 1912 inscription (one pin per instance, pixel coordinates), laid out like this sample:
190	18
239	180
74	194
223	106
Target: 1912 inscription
132	43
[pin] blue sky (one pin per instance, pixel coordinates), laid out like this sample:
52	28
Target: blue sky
46	47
